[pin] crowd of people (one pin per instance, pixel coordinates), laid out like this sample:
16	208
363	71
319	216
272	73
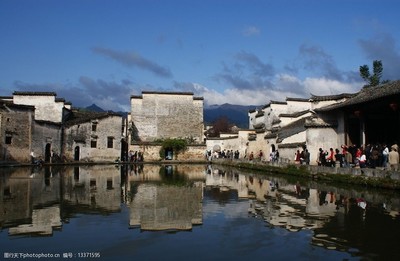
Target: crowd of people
222	154
231	154
135	156
370	156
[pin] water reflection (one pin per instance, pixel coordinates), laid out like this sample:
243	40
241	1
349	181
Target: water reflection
158	198
172	201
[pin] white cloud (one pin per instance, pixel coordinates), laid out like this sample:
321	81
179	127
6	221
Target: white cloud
245	96
324	86
250	31
285	86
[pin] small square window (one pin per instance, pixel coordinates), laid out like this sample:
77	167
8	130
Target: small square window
94	126
93	143
8	139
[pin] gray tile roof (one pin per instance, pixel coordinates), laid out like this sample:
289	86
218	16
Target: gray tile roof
35	93
78	117
367	94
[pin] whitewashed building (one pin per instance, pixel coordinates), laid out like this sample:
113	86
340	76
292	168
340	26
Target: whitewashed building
155	116
93	136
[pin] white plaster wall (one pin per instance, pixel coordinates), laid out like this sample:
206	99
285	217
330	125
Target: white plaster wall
324	138
278	108
46	108
251	116
295	106
238	143
259	144
298	137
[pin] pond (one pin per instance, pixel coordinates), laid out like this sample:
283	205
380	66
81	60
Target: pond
192	212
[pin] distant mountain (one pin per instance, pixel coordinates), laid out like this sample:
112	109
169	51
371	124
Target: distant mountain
95	108
236	114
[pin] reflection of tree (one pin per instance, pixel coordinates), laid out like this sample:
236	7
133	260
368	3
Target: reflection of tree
171	176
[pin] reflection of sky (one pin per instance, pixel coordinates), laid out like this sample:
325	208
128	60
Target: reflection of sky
230	210
223	236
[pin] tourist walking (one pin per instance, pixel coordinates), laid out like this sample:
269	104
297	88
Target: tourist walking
394	158
385	156
307	157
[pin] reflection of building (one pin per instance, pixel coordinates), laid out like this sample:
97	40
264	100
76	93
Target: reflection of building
30	200
44	220
166	197
97	187
163	207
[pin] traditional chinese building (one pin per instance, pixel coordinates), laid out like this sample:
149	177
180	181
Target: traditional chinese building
370	116
42	125
156	116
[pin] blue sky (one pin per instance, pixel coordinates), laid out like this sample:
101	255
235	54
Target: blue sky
244	52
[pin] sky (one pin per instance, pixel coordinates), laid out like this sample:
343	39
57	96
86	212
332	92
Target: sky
245	52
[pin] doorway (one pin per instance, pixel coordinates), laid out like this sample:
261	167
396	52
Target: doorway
76	153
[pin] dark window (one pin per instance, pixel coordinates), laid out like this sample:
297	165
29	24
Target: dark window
7	192
8	138
110	142
94	126
92	184
109	184
93	143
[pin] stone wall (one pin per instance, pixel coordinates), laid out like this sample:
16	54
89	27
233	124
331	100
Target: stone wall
151	152
81	135
46	134
167	115
16	124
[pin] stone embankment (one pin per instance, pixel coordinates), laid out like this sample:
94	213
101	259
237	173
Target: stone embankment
367	177
376	178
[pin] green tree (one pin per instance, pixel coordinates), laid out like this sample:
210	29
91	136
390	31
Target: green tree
219	125
373	79
176	145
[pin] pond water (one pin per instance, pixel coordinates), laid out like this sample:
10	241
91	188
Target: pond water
190	212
